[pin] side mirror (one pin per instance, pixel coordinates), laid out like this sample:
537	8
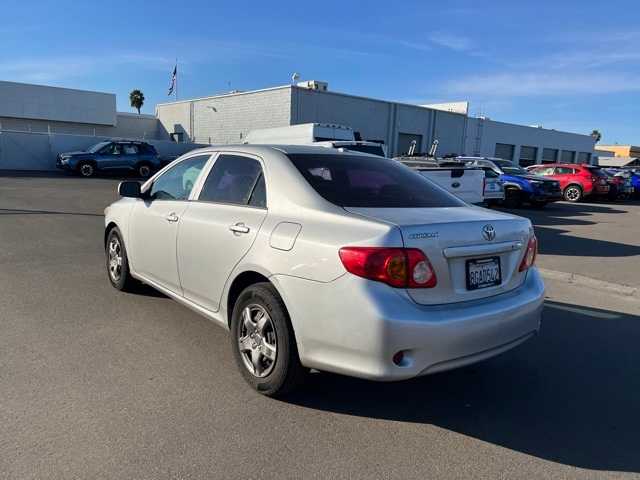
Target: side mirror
129	189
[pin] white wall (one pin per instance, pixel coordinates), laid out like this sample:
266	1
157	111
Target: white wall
38	102
227	118
491	132
380	119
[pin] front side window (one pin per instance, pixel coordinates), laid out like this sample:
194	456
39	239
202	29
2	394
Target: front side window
368	181
97	147
235	179
177	182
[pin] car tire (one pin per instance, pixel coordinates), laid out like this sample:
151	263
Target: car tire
143	170
263	342
573	193
117	262
86	169
512	198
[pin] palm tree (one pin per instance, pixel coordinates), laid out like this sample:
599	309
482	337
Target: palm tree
136	97
596	135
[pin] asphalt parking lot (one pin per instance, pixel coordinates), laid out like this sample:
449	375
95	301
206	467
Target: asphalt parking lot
96	383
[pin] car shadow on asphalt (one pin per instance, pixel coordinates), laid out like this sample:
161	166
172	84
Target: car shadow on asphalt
571	395
68	175
23	211
565	213
554	241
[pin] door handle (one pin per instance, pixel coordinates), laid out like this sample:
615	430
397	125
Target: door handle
172	217
239	228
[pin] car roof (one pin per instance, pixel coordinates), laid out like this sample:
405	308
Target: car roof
286	149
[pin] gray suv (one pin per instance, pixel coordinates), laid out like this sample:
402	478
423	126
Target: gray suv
111	155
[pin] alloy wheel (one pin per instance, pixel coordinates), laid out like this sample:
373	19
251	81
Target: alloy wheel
86	170
144	171
115	259
573	194
257	341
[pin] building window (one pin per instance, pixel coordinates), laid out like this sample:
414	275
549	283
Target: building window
404	142
549	155
584	157
504	151
528	156
568	156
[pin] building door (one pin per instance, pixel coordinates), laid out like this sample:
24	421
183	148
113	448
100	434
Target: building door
549	155
504	151
568	156
528	155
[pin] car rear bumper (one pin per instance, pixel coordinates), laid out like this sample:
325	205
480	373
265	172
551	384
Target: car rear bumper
355	326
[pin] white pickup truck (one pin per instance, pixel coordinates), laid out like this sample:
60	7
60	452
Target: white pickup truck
468	184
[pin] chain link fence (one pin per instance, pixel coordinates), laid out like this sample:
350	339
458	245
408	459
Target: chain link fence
38	151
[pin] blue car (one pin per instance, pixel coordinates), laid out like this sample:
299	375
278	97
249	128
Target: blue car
140	158
520	186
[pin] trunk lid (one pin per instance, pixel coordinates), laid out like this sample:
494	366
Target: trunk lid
452	236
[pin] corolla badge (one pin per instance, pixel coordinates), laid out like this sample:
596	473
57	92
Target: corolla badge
488	232
455	184
417	236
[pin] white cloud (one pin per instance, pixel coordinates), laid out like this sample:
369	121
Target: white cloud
537	84
455	42
55	69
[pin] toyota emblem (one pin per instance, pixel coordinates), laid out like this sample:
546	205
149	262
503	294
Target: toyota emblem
488	232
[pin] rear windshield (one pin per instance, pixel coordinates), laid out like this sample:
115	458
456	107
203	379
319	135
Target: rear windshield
370	182
596	171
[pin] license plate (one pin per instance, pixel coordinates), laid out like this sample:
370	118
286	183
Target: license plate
483	273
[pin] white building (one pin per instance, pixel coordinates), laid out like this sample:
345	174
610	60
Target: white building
227	118
526	145
44	109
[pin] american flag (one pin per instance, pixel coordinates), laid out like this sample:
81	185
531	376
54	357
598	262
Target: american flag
172	84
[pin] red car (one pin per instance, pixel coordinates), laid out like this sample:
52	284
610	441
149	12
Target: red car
576	180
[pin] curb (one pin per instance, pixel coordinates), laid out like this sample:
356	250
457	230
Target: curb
600	285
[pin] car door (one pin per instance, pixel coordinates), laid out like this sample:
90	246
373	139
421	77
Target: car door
110	157
564	175
155	221
130	155
219	228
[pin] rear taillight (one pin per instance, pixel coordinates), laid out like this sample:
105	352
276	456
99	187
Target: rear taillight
398	267
530	254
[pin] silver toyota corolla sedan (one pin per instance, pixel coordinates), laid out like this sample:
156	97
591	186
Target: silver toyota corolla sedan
324	259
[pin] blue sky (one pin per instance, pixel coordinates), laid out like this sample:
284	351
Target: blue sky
568	65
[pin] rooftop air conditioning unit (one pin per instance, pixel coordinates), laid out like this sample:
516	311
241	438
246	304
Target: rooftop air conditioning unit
314	85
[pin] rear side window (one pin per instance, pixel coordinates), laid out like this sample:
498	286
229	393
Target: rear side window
367	181
147	148
565	171
235	179
130	149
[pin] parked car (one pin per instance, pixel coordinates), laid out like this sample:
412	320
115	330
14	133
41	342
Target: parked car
635	181
125	155
337	261
467	183
520	186
576	180
620	184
